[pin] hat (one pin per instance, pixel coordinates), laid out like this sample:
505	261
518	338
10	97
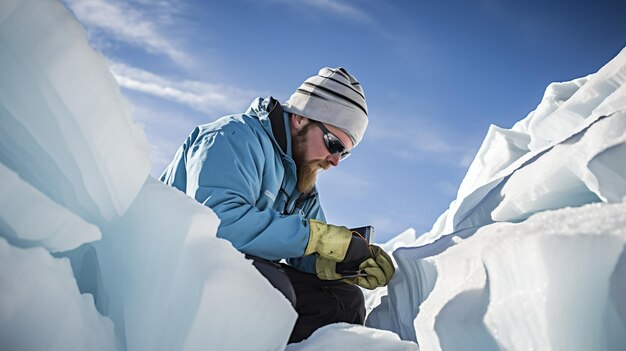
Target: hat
335	97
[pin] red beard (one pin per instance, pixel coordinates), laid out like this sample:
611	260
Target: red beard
307	174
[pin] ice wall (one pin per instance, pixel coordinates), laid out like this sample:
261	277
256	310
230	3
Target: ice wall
94	254
566	112
66	129
41	307
169	284
553	282
478	281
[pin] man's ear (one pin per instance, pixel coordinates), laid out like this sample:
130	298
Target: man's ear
298	122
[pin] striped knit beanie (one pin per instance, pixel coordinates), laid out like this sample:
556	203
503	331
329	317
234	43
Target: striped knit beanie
335	97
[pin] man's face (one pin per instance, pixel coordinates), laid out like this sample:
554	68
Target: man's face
310	152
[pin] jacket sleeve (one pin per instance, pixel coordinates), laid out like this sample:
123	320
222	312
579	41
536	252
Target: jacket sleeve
224	169
307	263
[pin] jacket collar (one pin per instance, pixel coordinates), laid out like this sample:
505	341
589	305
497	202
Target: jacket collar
274	121
277	120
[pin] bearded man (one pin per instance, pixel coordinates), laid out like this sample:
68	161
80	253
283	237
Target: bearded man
257	172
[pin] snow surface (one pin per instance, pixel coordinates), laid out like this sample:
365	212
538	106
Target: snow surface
95	254
343	336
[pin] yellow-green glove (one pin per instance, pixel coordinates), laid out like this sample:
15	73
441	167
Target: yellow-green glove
372	272
329	241
379	270
326	270
358	251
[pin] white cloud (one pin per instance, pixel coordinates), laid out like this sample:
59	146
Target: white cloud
123	22
201	96
426	140
337	7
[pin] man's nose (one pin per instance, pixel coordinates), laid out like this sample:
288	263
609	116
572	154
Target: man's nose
334	159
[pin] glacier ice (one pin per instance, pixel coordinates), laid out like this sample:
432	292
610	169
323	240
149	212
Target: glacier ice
400	240
499	270
502	156
66	129
29	218
542	284
96	254
136	264
168	283
561	177
41	307
606	176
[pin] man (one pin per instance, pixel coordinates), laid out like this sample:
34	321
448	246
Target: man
257	172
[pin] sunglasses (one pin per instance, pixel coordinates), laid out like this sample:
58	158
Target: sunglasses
333	144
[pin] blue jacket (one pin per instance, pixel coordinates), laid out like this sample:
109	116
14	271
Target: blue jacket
241	167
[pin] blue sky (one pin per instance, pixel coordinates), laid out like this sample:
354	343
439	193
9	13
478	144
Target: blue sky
436	74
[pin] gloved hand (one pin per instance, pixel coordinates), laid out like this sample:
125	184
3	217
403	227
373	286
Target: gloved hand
369	270
358	251
329	241
379	270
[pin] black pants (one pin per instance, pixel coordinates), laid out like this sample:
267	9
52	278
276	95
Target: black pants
318	302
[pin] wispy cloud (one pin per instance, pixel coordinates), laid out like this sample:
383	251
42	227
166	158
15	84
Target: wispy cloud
201	96
125	22
339	8
336	7
415	139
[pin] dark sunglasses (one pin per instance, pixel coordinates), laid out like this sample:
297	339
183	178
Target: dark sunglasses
333	144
